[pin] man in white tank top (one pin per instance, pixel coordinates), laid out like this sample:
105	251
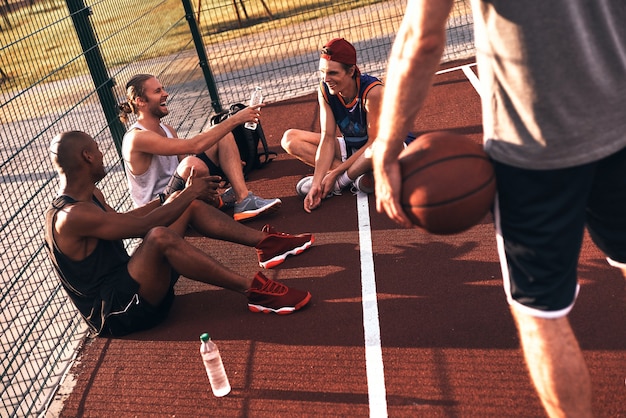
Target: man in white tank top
154	156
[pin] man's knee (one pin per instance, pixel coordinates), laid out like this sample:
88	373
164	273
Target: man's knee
189	162
200	208
161	237
287	140
183	170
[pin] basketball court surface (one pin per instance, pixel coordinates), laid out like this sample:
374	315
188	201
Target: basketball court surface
401	323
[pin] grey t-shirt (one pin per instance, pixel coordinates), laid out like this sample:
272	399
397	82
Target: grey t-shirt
553	75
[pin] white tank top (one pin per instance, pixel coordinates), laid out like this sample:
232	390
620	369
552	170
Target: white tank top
146	186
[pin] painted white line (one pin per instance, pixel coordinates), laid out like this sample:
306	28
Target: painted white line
371	326
471	76
460	67
373	349
467	70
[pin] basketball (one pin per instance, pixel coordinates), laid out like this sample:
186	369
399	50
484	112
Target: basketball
448	182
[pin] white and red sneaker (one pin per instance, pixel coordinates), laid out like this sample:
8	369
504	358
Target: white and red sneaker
277	246
268	296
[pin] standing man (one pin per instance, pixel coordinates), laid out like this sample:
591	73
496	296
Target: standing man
154	155
118	294
349	101
553	100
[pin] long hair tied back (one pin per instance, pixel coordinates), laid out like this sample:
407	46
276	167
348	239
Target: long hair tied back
134	89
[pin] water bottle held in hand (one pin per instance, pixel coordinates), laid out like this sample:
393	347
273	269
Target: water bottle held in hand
255	99
214	367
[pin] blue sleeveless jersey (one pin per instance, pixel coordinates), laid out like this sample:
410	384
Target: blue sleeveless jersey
351	118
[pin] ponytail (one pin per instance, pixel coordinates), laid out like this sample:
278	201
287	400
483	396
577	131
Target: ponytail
134	89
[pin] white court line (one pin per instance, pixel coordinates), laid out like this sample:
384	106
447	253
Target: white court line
467	70
471	76
371	326
460	67
373	349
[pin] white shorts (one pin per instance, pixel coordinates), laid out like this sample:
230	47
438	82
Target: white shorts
344	149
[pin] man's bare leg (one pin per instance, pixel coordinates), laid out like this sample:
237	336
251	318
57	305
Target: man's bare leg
229	160
163	249
360	166
301	144
199	167
213	223
556	364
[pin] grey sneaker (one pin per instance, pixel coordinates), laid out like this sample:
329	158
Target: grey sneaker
304	185
253	206
364	183
228	199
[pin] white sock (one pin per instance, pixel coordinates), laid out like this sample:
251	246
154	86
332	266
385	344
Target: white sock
343	180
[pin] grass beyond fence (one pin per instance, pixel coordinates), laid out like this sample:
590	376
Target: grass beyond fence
47	86
217	19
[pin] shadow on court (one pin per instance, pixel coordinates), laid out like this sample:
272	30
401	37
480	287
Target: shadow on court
449	346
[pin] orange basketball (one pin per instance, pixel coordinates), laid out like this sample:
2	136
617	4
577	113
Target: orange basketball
448	182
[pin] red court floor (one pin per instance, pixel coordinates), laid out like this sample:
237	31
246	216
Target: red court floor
440	339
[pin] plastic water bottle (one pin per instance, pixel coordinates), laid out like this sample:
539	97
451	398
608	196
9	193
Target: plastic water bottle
255	99
214	367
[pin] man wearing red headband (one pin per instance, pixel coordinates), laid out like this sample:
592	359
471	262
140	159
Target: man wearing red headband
346	98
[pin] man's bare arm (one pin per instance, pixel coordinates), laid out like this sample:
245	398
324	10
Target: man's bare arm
87	220
150	142
415	55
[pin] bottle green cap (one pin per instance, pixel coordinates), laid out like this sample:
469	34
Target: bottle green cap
205	337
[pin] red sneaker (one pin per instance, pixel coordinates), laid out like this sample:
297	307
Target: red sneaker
266	295
275	247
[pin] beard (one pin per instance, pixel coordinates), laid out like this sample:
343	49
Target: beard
159	110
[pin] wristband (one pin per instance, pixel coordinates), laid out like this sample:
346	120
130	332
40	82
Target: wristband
162	198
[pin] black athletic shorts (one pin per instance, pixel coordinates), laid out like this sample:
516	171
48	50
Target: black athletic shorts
130	312
176	182
540	219
214	169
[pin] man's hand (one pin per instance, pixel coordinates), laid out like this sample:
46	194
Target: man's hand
388	183
328	183
205	186
313	199
248	114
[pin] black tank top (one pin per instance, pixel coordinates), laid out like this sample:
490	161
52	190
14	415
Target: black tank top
351	118
88	282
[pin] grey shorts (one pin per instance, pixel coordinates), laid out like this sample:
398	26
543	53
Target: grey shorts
540	220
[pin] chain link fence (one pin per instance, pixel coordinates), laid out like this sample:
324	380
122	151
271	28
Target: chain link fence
63	66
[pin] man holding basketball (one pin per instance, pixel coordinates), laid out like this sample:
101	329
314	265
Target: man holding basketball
553	87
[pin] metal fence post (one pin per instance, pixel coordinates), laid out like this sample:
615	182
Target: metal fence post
99	74
202	57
